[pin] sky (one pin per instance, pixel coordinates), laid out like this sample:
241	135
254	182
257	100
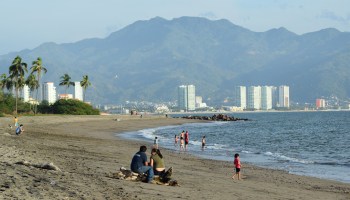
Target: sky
25	24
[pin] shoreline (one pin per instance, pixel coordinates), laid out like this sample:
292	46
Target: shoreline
86	151
203	155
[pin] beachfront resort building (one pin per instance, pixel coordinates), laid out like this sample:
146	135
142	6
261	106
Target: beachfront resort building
25	93
240	97
200	103
49	92
65	96
78	91
283	96
266	97
187	97
320	103
254	98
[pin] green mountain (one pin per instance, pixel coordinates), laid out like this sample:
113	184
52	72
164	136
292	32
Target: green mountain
147	60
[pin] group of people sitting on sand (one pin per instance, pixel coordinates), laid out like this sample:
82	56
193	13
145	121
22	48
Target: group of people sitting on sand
139	163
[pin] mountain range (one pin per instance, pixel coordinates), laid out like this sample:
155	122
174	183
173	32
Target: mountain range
148	60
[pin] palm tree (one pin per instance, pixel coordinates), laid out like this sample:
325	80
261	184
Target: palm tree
33	84
3	80
65	81
17	71
37	67
85	83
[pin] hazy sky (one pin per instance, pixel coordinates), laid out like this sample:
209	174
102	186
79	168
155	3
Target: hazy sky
29	23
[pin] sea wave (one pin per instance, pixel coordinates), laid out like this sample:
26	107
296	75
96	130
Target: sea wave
281	157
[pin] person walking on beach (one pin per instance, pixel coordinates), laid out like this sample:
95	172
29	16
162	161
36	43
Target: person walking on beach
238	166
156	142
187	139
203	142
182	142
16	121
139	164
19	129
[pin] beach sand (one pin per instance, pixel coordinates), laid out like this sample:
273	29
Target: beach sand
86	152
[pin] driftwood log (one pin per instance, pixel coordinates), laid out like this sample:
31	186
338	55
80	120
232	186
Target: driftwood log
164	179
48	166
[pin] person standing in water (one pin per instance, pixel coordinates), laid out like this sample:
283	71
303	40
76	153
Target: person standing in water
182	140
203	142
156	141
176	140
187	139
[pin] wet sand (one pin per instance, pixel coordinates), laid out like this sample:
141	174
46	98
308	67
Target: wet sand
86	152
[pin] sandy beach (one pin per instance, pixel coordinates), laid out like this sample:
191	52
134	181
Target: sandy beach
86	152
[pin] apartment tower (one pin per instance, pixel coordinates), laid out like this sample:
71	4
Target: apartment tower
240	97
49	92
187	97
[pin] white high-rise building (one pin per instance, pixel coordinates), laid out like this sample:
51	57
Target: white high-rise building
283	96
240	97
191	97
254	97
266	97
49	92
182	97
78	91
187	97
274	96
25	93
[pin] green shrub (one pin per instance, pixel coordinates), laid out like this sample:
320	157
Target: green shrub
73	107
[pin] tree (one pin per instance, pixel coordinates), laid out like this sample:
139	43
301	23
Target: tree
17	71
38	68
65	81
3	82
85	83
33	84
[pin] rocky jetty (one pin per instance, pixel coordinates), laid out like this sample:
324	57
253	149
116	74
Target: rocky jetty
219	117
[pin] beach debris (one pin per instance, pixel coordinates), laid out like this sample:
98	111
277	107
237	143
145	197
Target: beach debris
48	166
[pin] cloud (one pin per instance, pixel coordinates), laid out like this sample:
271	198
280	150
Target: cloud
209	15
334	17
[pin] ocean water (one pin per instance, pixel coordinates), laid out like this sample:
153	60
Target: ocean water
306	143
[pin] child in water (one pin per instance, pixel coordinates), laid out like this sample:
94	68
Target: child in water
238	166
156	142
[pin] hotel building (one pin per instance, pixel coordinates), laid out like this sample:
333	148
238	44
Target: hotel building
240	97
78	91
320	103
254	97
187	97
25	93
283	96
266	97
49	92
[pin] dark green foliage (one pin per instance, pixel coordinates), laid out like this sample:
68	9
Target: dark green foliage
7	103
73	107
45	108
